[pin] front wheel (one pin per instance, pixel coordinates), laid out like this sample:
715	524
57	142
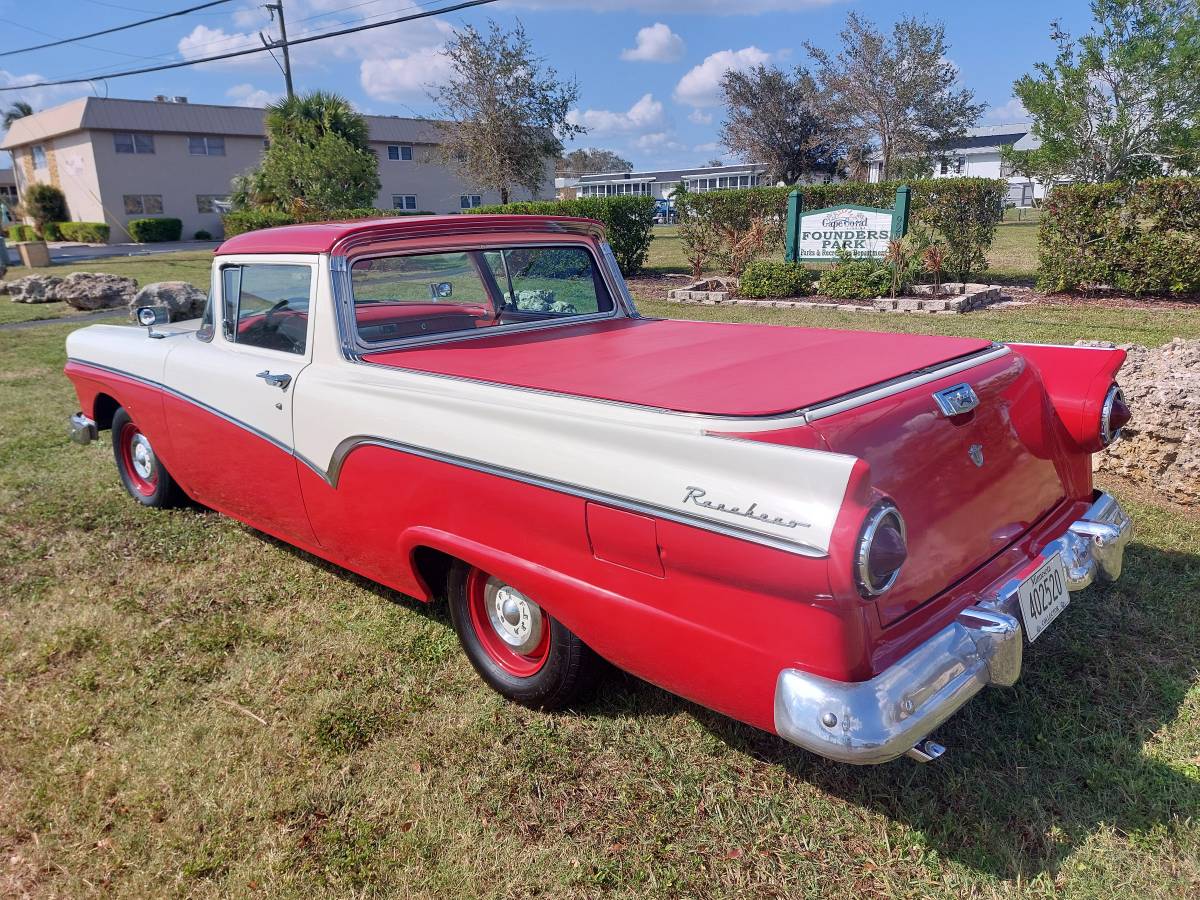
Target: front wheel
143	475
517	648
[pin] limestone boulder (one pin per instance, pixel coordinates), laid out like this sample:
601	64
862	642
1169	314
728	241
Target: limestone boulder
34	289
88	290
1160	447
182	300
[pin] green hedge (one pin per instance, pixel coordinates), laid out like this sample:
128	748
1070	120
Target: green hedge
85	232
765	278
856	279
628	222
241	221
964	211
1142	238
17	233
150	231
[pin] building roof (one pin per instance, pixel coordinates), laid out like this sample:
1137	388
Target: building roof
670	174
322	237
109	114
987	138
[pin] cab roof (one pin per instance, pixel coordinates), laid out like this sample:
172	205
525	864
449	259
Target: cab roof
324	237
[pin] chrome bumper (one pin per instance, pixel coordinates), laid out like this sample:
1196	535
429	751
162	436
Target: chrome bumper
82	429
874	721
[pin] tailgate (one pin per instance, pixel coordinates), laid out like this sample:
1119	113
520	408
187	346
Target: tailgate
959	513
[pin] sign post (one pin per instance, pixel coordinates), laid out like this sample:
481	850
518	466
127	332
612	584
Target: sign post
823	235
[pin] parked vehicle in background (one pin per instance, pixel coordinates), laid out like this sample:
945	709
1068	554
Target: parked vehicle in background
836	536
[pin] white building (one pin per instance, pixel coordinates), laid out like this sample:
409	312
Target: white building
977	155
117	160
660	184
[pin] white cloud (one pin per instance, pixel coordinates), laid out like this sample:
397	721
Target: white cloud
710	147
702	85
203	41
1012	111
657	142
700	117
249	95
705	7
655	43
645	115
405	77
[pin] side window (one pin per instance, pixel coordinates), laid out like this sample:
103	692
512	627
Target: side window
552	281
266	306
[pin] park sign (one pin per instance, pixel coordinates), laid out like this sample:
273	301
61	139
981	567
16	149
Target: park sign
849	230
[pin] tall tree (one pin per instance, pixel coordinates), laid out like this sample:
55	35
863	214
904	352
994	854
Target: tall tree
591	160
19	110
1121	102
317	158
776	118
504	110
897	92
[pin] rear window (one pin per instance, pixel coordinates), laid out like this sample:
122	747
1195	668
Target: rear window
417	295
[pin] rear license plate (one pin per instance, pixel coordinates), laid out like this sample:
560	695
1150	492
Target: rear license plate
1043	595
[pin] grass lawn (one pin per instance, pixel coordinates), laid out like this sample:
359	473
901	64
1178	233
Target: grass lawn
188	708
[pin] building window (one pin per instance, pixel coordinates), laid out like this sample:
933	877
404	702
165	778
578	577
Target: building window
39	156
960	163
469	201
944	167
201	145
205	202
125	142
400	152
143	204
404	201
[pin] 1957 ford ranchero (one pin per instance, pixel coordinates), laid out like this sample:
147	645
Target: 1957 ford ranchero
837	536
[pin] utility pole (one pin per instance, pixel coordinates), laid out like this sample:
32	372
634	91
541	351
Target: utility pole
274	8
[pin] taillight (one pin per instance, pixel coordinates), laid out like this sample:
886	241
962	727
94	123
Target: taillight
882	550
1114	415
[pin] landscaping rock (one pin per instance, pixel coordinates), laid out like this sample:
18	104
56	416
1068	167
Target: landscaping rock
34	289
182	300
1160	447
86	290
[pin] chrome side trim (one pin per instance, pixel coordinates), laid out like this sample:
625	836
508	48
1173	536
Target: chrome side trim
933	373
880	719
331	473
246	426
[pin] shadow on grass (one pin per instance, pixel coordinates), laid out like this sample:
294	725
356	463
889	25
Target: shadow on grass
1031	771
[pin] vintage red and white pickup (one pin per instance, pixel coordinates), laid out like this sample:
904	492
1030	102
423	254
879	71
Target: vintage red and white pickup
837	536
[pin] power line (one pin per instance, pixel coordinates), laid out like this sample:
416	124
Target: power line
303	40
83	37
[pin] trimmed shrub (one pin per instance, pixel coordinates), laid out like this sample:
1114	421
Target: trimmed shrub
1142	238
770	278
628	222
86	232
856	279
241	221
202	235
52	231
19	233
45	204
963	211
150	231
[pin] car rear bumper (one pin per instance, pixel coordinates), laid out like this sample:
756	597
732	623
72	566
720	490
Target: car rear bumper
82	429
874	721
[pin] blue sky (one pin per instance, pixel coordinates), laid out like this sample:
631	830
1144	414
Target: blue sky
648	71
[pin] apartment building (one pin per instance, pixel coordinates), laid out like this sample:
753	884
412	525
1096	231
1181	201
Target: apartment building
662	183
117	160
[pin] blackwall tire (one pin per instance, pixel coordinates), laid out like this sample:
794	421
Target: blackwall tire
144	476
526	656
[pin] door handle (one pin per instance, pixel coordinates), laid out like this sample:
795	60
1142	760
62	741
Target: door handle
280	381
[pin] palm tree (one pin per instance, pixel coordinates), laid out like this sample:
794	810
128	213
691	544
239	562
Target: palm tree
18	110
315	114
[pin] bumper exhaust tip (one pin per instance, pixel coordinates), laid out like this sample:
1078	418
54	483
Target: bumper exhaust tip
926	751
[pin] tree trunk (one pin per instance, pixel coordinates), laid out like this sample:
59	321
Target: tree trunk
504	194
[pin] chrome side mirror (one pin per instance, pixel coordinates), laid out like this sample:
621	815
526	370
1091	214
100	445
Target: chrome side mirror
441	290
149	316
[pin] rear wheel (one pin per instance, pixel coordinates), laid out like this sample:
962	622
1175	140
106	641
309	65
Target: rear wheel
143	475
514	644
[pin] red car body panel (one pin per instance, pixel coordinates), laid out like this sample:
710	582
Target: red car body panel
695	367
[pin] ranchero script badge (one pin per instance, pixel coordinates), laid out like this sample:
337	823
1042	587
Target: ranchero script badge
698	496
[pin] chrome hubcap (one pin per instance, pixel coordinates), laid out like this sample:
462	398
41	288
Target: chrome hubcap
142	455
516	618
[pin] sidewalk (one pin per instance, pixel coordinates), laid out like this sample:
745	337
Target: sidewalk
69	251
